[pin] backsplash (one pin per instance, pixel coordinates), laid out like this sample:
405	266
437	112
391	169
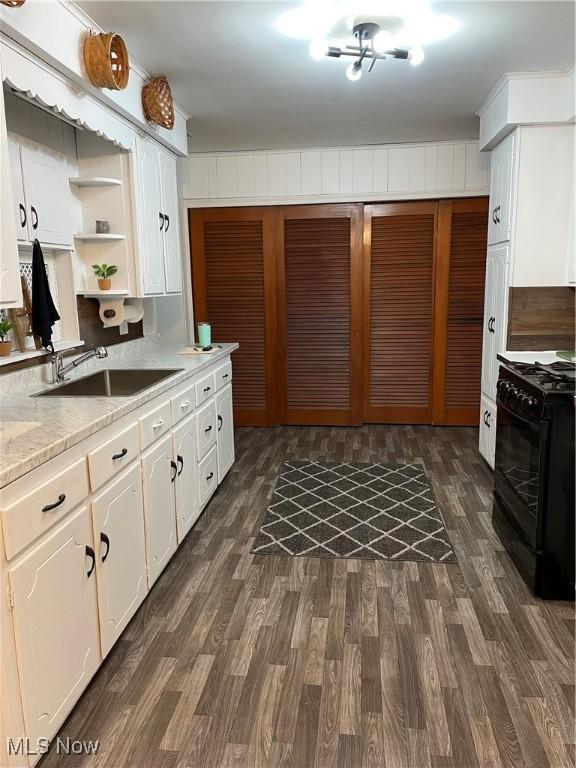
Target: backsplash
541	318
94	333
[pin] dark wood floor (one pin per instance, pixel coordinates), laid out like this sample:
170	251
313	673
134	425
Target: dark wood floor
250	661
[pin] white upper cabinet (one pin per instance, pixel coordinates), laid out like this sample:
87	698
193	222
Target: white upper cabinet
172	254
56	623
10	292
501	190
157	219
20	210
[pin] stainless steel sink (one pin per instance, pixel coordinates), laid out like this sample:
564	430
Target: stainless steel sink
111	382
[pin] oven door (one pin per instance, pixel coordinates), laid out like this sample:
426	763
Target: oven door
518	477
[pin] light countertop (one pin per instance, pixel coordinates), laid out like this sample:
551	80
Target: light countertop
530	357
34	430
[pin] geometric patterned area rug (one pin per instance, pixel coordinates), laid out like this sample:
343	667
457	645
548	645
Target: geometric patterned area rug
339	509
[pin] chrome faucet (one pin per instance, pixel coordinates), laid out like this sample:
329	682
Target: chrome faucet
59	370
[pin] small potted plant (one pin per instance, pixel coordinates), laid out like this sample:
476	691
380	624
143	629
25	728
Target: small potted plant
5	344
104	272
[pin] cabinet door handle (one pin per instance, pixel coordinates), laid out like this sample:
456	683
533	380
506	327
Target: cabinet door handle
158	424
50	507
210	476
22	215
208	429
488	418
34	213
91	554
180	460
120	455
105	540
167	222
220	422
174	469
161	215
494	216
496	213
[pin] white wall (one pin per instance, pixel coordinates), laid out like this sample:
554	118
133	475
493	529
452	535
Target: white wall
344	174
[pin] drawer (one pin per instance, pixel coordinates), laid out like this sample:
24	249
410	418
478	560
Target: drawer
104	462
183	404
33	514
206	428
207	476
223	375
155	424
204	388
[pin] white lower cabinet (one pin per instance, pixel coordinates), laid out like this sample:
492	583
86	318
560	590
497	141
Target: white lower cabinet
225	441
118	521
56	623
208	476
487	439
158	475
187	503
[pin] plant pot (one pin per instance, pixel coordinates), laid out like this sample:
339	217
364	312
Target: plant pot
5	348
105	283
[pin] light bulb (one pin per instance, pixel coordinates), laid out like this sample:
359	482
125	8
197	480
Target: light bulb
318	49
354	71
416	56
382	42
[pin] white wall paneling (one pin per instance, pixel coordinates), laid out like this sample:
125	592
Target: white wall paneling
336	174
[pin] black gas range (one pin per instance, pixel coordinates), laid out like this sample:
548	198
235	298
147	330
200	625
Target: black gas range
533	511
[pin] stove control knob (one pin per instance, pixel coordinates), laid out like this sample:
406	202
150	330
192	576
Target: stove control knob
532	402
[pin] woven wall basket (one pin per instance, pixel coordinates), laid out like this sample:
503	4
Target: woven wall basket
106	61
158	103
13	3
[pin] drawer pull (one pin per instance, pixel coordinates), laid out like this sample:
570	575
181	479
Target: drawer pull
50	507
184	404
120	455
220	422
90	553
174	469
105	540
225	375
208	429
180	461
210	476
207	389
158	424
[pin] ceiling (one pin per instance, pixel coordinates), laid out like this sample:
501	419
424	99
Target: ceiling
246	86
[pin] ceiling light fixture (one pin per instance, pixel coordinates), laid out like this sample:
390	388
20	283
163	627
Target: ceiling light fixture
367	30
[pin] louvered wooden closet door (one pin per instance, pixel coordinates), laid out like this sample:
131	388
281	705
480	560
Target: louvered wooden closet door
399	244
462	237
234	283
319	314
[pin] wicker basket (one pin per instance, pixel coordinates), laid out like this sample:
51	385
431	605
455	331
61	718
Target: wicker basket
13	3
158	103
106	61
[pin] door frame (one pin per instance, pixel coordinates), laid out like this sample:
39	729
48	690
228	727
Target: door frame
266	214
353	416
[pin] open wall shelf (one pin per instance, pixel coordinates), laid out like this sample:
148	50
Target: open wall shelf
95	181
94	237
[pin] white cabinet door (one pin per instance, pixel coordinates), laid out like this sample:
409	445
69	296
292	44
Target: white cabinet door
187	502
502	165
225	439
495	315
487	437
48	196
172	253
159	472
20	209
150	218
10	292
56	624
118	520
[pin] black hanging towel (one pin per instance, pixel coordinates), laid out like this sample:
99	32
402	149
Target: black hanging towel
44	313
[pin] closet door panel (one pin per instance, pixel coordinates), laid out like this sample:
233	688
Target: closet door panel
399	241
319	295
234	282
465	308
